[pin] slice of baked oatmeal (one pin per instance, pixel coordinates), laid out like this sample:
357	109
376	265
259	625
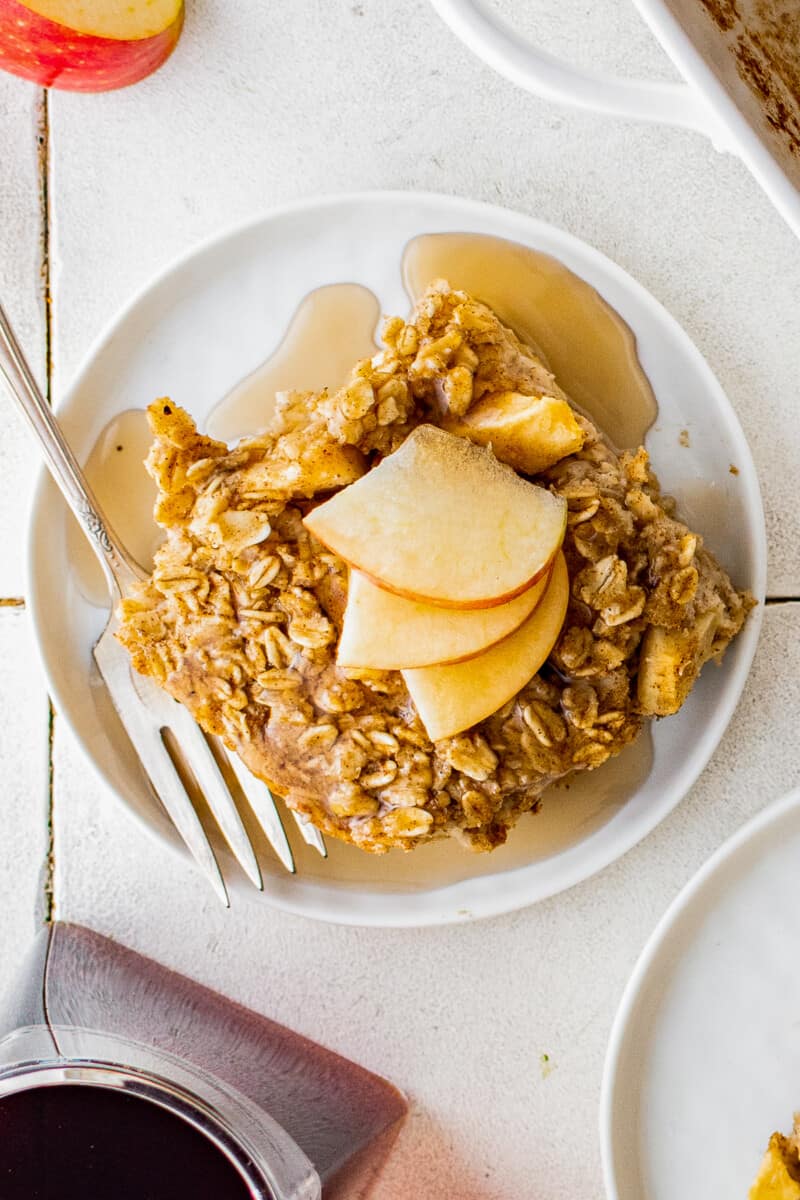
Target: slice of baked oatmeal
241	617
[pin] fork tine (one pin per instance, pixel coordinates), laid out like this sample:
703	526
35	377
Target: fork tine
311	835
200	760
158	765
169	788
261	801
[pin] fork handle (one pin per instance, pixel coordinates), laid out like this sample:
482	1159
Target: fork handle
120	569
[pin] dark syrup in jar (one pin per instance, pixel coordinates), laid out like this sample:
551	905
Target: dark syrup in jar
79	1142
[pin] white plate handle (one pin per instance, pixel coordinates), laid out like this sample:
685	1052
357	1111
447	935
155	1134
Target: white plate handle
537	71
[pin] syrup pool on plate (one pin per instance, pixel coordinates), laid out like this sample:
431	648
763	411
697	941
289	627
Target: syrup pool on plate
126	493
332	328
584	341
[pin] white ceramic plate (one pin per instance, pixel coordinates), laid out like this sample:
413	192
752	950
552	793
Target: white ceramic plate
214	316
704	1058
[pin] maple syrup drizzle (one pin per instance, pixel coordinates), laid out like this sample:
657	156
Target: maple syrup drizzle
332	328
586	344
115	469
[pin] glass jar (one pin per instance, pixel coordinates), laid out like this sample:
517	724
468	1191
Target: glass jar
287	1115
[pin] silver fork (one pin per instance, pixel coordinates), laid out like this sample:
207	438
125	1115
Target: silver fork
146	711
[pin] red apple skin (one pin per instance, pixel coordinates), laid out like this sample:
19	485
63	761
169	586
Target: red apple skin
455	605
49	54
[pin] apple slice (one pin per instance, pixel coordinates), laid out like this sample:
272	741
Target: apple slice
454	697
87	45
443	522
530	433
386	632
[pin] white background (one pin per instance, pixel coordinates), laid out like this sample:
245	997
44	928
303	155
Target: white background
261	103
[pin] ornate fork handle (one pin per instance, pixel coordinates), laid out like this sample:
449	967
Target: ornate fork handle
95	526
120	569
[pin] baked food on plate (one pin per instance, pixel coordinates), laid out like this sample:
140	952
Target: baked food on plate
536	598
779	1176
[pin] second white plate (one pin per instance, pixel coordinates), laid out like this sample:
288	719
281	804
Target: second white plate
704	1058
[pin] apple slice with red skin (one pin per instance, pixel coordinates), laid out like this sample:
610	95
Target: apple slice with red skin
87	45
455	696
384	632
443	522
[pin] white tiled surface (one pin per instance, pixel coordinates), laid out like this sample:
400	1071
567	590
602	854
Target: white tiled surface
24	801
261	103
21	294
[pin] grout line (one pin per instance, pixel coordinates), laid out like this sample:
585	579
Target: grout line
782	600
43	139
44	209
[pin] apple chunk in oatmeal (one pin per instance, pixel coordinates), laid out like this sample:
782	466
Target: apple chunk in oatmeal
243	614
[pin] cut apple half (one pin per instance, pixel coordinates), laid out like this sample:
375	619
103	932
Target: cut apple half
121	20
87	45
530	433
454	697
385	632
443	522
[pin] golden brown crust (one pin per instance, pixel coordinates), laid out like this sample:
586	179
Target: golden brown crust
241	617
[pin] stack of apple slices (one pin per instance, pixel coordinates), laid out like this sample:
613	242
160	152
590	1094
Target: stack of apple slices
456	578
